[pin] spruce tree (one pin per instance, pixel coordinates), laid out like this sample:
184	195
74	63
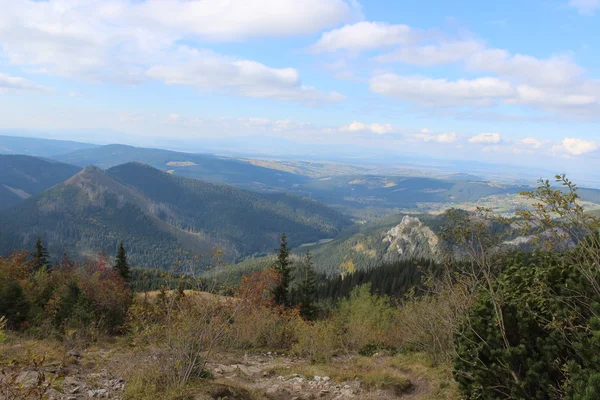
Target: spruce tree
284	269
40	257
121	264
307	289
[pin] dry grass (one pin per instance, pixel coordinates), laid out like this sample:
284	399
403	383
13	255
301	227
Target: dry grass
368	371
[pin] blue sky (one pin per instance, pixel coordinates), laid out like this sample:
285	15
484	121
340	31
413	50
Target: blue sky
513	81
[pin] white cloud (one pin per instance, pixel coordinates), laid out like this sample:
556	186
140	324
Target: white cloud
120	40
376	128
439	138
442	92
585	7
210	71
433	54
486	138
578	147
553	71
547	98
364	36
531	142
18	83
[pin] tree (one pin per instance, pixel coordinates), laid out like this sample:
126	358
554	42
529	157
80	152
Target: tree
284	269
307	289
121	264
533	331
40	257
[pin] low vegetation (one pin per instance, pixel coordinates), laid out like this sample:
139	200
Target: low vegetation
495	324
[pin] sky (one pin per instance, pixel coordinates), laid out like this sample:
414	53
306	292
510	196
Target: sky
516	82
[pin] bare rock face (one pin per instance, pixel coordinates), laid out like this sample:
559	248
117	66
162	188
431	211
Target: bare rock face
411	238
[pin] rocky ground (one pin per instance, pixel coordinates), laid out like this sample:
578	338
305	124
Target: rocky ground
98	373
278	377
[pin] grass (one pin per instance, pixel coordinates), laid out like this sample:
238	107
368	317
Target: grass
397	373
439	377
364	369
199	389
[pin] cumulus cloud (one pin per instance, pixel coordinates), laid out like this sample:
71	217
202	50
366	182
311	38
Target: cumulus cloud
553	71
585	7
482	92
486	138
364	36
18	83
205	69
531	142
377	128
439	138
433	54
577	147
120	40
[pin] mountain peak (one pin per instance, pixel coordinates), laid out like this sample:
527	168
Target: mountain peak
92	169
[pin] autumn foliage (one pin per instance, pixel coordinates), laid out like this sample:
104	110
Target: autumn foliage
74	299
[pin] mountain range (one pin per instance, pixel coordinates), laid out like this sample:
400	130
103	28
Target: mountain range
24	176
158	214
165	203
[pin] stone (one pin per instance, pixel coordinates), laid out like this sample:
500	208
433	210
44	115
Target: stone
74	353
272	390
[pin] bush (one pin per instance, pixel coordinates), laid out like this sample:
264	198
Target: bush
72	301
429	323
533	336
318	341
365	318
13	304
3	336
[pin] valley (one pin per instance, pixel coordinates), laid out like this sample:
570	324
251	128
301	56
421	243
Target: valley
186	203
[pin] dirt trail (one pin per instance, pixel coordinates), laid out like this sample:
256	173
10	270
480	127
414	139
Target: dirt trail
280	378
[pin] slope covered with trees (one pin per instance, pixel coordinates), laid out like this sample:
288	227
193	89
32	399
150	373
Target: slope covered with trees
206	167
23	176
156	213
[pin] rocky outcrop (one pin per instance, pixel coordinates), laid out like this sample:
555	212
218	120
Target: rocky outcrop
411	238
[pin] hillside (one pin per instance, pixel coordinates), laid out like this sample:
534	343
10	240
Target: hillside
39	147
23	176
156	213
357	194
395	238
205	167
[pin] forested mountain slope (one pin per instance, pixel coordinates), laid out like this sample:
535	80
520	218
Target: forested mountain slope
206	167
156	213
24	176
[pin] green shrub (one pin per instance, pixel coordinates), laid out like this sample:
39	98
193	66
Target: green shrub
365	318
532	336
318	341
3	336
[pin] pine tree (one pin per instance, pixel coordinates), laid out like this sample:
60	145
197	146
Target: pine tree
40	257
307	289
284	269
121	264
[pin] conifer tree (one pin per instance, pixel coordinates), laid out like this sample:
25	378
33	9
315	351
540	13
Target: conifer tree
40	257
284	269
121	264
307	289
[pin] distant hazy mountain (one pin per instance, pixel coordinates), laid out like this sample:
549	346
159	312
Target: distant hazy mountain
24	176
206	167
156	213
389	192
39	147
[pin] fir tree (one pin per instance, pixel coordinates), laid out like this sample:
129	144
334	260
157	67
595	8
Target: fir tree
284	269
307	289
121	264
40	257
